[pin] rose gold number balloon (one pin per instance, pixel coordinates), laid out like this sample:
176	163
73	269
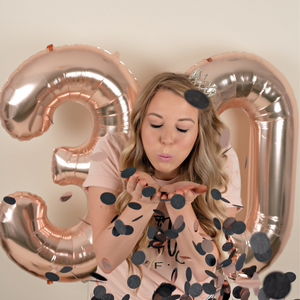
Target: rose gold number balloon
251	83
100	82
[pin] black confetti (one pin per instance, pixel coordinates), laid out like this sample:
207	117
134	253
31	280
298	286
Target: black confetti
240	262
188	274
120	227
173	297
128	172
138	257
171	234
129	230
159	212
225	263
210	260
227	246
99	291
276	285
265	256
291	276
209	288
187	287
237	292
115	232
98	276
228	223
108	296
174	274
114	219
66	269
151	232
108	198
249	271
148	191
196	98
134	281
232	253
199	248
217	223
10	200
126	297
215	194
165	289
227	231
134	205
225	200
52	276
177	201
260	243
238	227
262	295
137	218
180	228
211	274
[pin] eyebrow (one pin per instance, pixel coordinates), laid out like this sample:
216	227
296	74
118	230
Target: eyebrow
159	116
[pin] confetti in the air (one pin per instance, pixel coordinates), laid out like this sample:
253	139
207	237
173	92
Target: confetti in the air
196	98
9	200
108	198
128	172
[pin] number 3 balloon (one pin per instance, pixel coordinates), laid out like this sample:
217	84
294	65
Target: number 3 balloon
28	100
100	82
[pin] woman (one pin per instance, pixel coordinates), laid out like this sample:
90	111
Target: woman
175	148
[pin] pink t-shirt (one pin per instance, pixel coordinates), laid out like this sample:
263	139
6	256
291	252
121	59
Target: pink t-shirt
106	173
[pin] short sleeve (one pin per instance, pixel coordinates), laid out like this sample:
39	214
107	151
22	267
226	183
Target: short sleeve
232	169
106	173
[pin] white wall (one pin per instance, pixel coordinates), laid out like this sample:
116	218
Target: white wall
151	36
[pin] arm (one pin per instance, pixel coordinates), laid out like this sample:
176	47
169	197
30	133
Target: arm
107	246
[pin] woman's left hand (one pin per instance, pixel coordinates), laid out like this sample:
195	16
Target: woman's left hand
189	190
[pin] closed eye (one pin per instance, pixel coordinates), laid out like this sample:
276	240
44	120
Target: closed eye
158	126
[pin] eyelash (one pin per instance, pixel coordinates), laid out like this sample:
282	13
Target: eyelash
158	126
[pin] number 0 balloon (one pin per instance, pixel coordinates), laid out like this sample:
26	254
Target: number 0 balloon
100	82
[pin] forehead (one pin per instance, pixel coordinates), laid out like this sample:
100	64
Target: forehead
168	102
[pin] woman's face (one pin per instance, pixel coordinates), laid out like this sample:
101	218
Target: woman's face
169	131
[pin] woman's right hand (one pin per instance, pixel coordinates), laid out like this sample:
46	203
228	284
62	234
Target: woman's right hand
137	182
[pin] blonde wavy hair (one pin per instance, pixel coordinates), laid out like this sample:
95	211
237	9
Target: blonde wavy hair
204	164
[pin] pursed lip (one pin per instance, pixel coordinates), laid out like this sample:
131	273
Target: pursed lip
165	155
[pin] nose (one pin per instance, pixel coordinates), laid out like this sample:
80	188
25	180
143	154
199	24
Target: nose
167	137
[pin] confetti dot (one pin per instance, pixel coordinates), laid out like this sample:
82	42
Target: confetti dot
195	289
9	200
209	288
180	229
262	295
227	231
173	297
138	257
210	260
211	274
225	263
134	205
98	276
245	295
265	256
159	212
188	274
237	292
108	198
133	281
165	289
178	222
227	246
128	172
148	191
232	253
171	234
66	269
108	296
99	291
115	232
260	242
225	200
217	223
276	285
120	227
224	138
52	276
207	246
291	276
215	194
196	98
151	232
126	297
106	264
199	248
99	156
240	262
228	222
187	287
177	201
238	227
129	230
114	219
137	218
249	271
66	196
174	275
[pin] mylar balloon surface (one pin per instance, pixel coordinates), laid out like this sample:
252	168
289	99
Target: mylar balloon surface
107	89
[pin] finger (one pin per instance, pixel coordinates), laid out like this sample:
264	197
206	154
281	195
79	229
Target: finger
131	184
185	187
180	192
156	197
200	189
164	196
139	187
170	195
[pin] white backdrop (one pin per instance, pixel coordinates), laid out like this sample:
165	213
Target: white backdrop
151	37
